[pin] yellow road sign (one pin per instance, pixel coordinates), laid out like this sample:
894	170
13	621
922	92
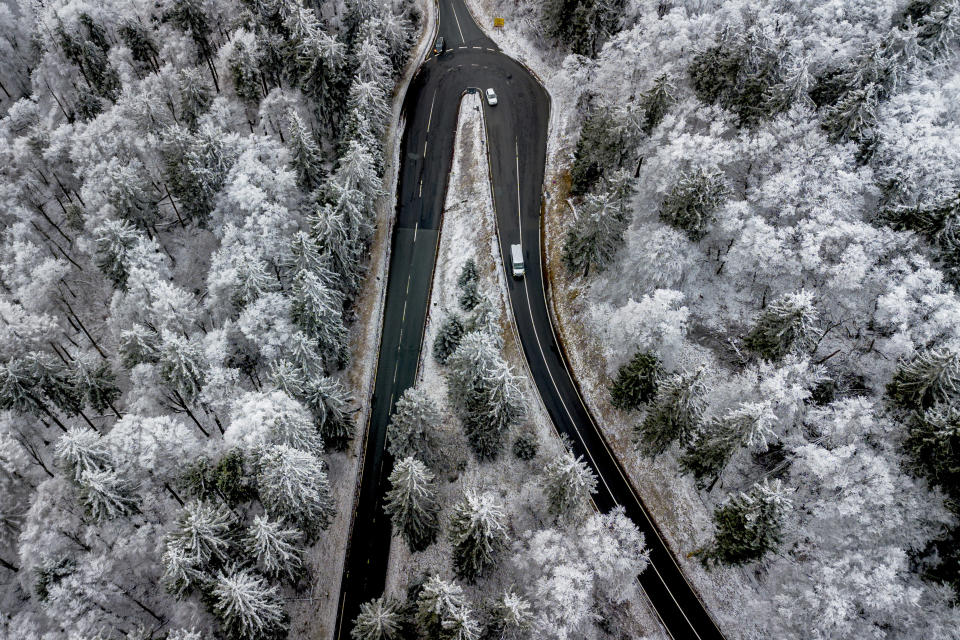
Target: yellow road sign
498	22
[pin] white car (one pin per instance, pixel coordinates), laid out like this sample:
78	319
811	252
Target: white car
491	97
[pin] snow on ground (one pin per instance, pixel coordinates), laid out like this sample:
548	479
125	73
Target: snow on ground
683	516
469	230
315	612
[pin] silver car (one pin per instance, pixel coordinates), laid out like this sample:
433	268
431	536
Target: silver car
491	97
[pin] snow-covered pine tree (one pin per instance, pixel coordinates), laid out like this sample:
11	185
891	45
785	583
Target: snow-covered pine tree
933	442
692	202
82	450
182	364
568	483
137	345
785	327
412	503
416	417
276	547
106	494
511	617
248	607
636	382
477	533
655	102
675	414
854	116
94	380
329	401
932	376
747	526
485	392
114	240
525	447
201	541
448	338
750	424
293	485
318	310
379	619
305	157
596	234
305	255
438	606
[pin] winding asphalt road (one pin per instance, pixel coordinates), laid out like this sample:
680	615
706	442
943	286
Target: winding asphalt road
517	135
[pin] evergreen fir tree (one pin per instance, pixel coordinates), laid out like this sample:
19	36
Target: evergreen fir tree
786	326
675	415
276	547
932	376
750	424
80	451
96	382
448	338
485	392
596	234
747	526
304	153
106	495
412	503
933	442
248	607
655	102
182	365
138	344
636	382
114	240
511	617
379	619
416	418
525	447
438	605
293	485
568	482
477	534
318	310
692	202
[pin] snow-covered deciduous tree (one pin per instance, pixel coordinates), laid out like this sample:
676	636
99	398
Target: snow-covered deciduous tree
411	503
747	526
568	482
182	364
675	414
277	548
477	532
379	619
272	418
293	485
485	392
412	428
248	607
692	202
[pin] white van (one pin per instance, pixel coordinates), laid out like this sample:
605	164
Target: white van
516	257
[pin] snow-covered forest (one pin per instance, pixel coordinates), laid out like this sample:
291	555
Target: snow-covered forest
188	191
759	209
